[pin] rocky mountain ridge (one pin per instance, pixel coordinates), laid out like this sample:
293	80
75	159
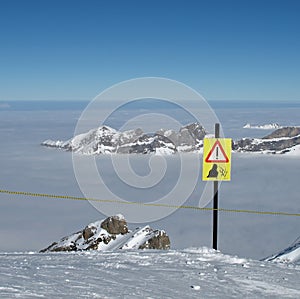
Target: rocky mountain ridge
281	141
111	234
106	140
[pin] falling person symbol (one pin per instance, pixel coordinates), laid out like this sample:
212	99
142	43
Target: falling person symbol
213	173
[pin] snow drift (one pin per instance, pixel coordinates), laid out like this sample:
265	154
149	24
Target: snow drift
191	273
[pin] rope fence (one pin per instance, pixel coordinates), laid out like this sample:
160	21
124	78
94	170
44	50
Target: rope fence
53	196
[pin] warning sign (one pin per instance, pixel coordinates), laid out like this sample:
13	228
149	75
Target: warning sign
216	159
217	154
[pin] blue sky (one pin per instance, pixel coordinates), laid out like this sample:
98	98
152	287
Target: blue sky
226	50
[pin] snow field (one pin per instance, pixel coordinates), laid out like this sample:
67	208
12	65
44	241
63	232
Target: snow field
190	273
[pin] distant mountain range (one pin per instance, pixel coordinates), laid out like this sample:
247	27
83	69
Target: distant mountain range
263	127
106	140
281	141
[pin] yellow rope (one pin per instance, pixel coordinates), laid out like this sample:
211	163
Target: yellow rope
147	204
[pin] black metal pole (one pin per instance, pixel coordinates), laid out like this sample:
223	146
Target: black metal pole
216	203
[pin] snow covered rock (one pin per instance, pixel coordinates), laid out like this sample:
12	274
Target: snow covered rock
111	234
262	127
159	241
289	132
281	141
151	144
106	140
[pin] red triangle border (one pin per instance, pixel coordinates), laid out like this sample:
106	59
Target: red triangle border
211	151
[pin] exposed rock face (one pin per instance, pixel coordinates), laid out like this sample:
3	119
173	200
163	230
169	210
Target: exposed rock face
160	241
105	140
88	232
279	142
115	225
151	144
196	131
111	234
284	132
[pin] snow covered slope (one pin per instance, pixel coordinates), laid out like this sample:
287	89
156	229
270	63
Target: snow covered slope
190	273
288	255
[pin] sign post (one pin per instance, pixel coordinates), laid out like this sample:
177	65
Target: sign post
216	201
216	167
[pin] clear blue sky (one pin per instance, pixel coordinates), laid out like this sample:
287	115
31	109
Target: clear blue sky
226	50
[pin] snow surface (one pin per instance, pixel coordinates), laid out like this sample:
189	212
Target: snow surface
190	273
293	151
288	255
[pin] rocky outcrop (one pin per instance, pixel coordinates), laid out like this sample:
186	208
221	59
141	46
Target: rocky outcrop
111	234
160	241
115	225
280	141
106	140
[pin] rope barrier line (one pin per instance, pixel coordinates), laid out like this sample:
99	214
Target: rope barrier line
45	195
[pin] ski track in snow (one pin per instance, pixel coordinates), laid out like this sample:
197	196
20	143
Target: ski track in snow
190	273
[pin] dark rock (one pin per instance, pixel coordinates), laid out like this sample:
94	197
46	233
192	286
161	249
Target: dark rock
284	132
286	139
281	146
196	131
93	244
115	225
71	247
160	241
49	247
186	138
88	232
149	144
